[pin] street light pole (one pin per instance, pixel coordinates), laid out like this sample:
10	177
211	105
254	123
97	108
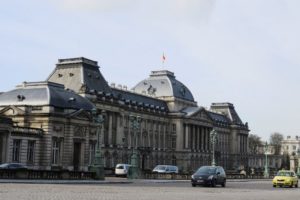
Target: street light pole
298	167
98	165
266	172
213	140
134	160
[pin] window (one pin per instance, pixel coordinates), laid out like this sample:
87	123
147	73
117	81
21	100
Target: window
55	151
30	151
92	150
173	143
174	127
16	150
294	147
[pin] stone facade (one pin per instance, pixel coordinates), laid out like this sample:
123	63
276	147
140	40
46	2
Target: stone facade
290	145
52	126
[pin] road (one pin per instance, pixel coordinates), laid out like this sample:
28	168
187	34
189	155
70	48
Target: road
147	190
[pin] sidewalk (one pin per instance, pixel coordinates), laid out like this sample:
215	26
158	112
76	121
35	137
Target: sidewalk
109	180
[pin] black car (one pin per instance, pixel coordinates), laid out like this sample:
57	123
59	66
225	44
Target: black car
12	166
209	175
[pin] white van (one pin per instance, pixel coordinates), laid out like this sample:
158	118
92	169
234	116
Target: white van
122	169
166	169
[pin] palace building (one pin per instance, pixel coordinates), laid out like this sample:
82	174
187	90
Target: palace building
49	125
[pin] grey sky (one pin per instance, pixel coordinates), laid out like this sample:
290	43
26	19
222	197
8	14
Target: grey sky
239	51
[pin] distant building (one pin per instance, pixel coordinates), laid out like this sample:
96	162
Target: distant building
290	145
50	123
258	159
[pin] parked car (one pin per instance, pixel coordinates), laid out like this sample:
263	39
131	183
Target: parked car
122	169
166	169
285	178
12	166
209	175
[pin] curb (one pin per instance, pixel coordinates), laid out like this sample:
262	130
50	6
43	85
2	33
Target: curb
109	181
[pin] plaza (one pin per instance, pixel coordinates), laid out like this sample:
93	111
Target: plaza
147	190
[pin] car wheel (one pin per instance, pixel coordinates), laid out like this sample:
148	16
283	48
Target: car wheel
194	185
213	183
274	185
296	185
291	184
224	183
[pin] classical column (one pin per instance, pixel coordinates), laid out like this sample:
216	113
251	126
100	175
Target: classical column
197	138
110	121
207	139
186	145
202	138
193	137
158	137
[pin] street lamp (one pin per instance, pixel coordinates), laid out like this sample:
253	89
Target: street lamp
123	150
298	167
134	160
266	172
98	165
213	140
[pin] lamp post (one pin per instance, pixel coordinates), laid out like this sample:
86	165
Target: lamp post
266	172
134	160
98	165
298	167
123	150
213	140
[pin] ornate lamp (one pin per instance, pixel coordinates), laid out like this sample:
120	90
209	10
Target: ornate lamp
134	172
213	140
298	167
266	172
98	165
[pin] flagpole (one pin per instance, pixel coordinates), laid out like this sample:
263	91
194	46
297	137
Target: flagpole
163	60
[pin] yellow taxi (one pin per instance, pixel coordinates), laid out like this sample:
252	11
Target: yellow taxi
285	178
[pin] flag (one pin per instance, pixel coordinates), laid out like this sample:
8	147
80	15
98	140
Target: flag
163	58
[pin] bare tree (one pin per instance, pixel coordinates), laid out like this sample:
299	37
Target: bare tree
275	140
254	143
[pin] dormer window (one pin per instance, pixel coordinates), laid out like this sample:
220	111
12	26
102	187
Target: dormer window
20	97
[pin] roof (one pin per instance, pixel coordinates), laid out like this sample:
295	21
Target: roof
189	111
44	93
128	96
79	74
227	109
164	84
219	117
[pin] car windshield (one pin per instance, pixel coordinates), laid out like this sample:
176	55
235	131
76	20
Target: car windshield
120	167
4	165
282	173
206	170
160	168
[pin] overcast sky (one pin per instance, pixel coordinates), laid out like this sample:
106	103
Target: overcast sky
246	52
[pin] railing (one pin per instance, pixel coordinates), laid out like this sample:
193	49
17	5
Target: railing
167	176
188	176
81	175
45	174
